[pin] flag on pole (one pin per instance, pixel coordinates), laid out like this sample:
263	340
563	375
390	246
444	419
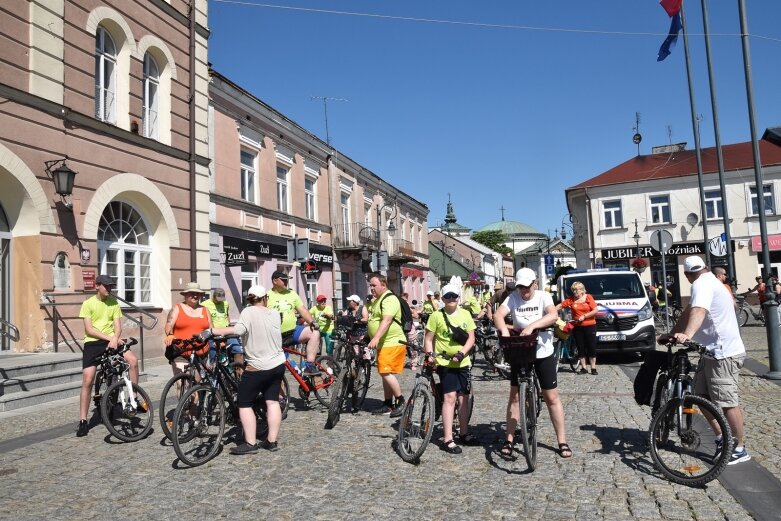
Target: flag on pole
669	43
671	6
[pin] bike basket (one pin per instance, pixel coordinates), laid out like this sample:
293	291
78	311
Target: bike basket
519	349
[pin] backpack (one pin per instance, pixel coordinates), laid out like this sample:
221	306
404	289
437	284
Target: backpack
406	322
646	376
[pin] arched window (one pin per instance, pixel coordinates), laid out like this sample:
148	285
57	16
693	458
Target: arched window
105	76
125	253
151	95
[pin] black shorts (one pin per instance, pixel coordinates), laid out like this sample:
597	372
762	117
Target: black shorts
546	370
458	380
92	353
255	383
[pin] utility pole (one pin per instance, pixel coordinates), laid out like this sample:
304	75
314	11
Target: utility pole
326	99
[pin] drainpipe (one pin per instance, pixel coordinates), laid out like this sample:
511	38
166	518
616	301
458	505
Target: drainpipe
193	235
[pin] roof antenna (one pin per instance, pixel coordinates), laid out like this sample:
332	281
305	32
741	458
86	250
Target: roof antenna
637	138
670	134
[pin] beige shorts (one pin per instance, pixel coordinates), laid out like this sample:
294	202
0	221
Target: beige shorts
718	379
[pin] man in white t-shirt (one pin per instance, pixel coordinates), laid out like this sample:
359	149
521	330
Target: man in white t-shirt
710	320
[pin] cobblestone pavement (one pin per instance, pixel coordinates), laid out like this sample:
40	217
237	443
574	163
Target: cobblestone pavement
351	472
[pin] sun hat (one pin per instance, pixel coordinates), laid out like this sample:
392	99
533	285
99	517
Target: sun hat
693	264
525	277
429	293
192	287
451	288
104	280
354	298
257	291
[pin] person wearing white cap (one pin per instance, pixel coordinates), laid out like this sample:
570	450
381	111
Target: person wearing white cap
357	310
260	328
533	310
430	305
454	374
710	320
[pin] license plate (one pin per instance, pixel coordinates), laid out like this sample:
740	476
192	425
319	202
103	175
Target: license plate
611	338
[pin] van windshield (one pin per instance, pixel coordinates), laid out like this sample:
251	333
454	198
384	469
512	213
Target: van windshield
612	285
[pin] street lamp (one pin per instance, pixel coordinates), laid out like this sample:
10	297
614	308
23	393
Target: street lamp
636	237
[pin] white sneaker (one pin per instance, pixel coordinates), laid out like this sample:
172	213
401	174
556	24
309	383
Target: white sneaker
739	456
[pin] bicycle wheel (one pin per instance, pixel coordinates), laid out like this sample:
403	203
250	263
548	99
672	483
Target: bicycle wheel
742	315
360	387
660	393
284	396
199	424
338	395
572	355
323	382
683	444
416	423
123	421
172	392
338	351
528	421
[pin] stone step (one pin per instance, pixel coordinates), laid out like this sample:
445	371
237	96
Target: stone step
18	365
39	380
18	400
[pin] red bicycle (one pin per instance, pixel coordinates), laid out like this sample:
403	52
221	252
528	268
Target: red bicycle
319	384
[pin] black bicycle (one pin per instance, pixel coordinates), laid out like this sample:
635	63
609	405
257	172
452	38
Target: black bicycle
125	407
353	379
193	373
521	352
202	412
683	444
422	409
487	342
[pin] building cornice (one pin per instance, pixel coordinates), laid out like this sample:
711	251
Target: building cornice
238	204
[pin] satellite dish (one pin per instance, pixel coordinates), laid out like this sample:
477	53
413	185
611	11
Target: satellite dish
637	138
692	219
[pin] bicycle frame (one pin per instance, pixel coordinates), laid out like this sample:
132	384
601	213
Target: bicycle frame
305	382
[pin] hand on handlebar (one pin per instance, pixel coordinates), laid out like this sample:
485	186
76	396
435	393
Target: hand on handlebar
206	334
428	360
458	357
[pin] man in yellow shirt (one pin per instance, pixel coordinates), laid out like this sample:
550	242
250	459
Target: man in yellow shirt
386	335
287	303
219	309
102	330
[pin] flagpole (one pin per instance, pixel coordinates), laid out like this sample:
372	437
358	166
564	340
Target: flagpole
770	305
696	129
719	155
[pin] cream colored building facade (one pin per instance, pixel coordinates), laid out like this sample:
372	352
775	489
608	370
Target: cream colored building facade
615	213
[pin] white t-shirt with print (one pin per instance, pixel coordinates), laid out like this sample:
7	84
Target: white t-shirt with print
524	312
719	331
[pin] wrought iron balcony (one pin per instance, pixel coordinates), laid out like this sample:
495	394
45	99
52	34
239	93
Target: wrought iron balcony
401	250
352	236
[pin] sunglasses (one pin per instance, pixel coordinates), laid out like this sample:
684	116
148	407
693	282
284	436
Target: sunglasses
450	296
195	295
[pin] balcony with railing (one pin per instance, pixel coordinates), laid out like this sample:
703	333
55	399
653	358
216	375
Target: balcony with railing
354	236
401	251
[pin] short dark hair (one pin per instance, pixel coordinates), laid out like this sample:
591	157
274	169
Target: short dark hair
379	276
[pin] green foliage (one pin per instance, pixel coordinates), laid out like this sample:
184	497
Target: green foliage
494	239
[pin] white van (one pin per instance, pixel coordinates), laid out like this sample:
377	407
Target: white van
625	321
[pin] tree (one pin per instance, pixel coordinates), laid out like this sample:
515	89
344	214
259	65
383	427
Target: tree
494	239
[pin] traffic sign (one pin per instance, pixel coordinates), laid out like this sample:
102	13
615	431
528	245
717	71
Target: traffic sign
661	240
549	270
549	260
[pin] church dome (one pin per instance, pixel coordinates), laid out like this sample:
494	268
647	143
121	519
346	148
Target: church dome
512	228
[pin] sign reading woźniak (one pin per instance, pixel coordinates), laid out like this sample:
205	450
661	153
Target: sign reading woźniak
684	248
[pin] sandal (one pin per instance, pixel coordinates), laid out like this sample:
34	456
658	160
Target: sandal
468	439
507	449
451	447
564	451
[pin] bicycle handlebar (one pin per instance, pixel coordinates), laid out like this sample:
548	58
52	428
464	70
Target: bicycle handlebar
419	348
690	345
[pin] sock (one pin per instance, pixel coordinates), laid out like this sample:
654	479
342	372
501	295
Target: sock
719	437
739	449
388	402
399	400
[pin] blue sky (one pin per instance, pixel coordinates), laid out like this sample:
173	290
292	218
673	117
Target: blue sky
497	116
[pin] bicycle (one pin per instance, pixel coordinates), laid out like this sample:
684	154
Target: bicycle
421	410
566	351
521	352
202	412
352	380
487	341
669	313
319	384
682	442
744	309
125	408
